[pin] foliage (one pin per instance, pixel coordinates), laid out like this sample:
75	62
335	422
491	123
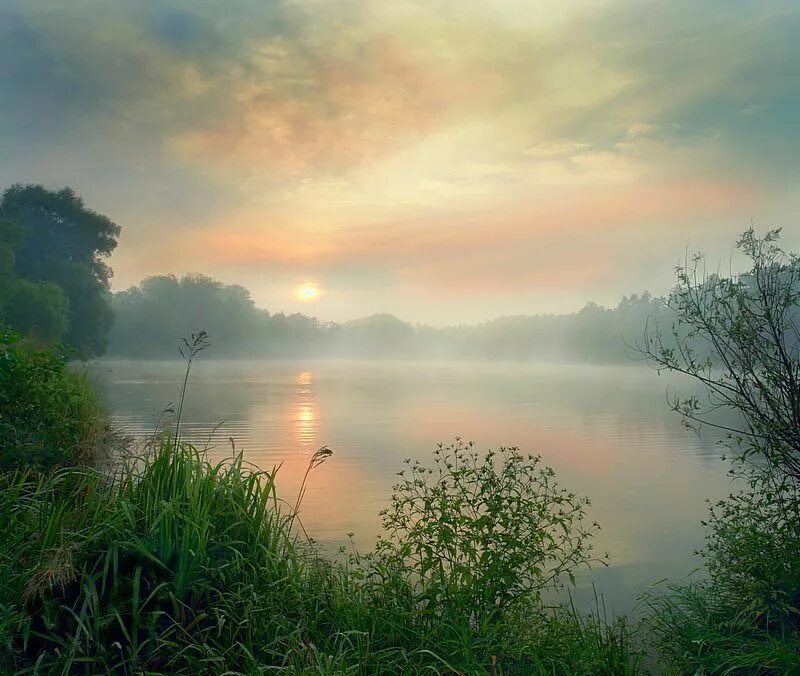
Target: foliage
697	632
482	534
174	565
149	315
753	552
58	222
54	282
739	337
39	308
49	414
744	617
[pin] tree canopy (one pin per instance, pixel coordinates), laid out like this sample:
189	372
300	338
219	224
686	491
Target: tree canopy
54	279
739	336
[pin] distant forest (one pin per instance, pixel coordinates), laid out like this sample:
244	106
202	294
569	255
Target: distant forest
150	316
54	287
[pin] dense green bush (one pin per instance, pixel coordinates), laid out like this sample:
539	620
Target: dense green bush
480	534
744	616
49	414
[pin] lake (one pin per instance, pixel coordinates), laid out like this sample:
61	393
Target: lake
607	431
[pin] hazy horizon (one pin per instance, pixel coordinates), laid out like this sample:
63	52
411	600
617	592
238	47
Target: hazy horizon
308	309
443	162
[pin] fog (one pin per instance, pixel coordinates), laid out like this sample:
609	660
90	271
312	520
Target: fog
359	335
151	317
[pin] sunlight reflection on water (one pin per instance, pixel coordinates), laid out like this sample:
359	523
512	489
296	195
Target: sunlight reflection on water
606	431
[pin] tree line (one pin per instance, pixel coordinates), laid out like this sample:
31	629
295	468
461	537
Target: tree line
150	315
55	287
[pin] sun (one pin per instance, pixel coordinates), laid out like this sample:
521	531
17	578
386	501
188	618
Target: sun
307	291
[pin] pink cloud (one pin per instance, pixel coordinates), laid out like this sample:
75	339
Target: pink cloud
567	241
335	113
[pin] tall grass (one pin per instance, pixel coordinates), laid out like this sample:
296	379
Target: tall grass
176	565
153	568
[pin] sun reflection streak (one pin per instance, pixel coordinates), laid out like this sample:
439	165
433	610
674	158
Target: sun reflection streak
305	411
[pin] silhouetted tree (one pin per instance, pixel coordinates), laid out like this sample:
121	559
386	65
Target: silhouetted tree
56	241
150	315
740	337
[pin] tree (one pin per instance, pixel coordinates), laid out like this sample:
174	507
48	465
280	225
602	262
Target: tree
149	316
39	309
740	337
11	237
59	241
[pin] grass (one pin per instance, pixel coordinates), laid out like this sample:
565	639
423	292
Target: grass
175	565
697	632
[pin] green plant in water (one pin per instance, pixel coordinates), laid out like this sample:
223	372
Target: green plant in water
481	535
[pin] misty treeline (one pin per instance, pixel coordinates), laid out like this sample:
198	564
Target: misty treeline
149	316
54	287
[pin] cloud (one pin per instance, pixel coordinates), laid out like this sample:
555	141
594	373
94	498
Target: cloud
438	146
564	242
325	116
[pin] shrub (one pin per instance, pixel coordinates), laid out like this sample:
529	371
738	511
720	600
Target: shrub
49	414
743	618
753	553
471	546
483	532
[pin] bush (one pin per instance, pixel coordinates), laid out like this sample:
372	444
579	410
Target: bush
471	546
483	533
743	618
753	553
49	414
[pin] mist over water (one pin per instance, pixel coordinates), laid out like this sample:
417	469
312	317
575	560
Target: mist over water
607	432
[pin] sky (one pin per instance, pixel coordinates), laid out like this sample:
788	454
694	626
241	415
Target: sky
447	161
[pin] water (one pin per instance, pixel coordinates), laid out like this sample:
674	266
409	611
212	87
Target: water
607	431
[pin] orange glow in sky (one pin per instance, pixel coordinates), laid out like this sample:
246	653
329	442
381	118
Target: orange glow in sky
444	162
